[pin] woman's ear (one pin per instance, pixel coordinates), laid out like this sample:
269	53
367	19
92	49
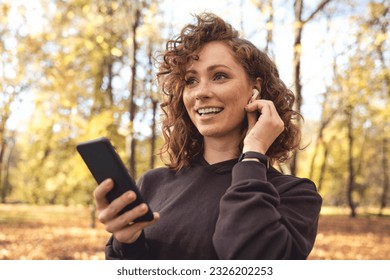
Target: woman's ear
256	89
258	84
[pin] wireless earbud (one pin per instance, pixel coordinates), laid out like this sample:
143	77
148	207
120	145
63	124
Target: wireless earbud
255	93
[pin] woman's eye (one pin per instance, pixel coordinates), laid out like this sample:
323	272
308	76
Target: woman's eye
190	81
220	76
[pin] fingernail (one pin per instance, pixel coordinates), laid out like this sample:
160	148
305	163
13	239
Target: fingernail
143	207
130	195
107	182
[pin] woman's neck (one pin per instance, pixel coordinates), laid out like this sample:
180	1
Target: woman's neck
218	150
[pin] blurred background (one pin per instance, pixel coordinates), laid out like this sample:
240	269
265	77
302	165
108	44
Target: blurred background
75	70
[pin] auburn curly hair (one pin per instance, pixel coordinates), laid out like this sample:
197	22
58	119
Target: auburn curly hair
183	142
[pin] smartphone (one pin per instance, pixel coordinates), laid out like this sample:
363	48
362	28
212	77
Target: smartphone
104	162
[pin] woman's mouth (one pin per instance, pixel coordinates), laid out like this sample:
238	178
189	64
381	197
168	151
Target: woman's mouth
209	110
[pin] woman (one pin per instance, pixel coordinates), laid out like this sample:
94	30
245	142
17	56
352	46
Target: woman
218	198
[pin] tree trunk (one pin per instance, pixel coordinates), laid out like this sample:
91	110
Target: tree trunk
3	142
154	135
269	7
270	27
319	142
351	172
7	187
323	165
2	182
298	29
385	140
131	142
385	166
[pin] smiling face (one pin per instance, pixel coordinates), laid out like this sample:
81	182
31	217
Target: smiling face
217	90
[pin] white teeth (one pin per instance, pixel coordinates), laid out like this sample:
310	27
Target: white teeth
209	110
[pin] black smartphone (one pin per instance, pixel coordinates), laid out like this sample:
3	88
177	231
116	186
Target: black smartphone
104	162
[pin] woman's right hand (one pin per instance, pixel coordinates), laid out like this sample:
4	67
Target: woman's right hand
122	227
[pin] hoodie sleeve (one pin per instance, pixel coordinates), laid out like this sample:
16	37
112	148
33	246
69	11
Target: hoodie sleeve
116	250
263	220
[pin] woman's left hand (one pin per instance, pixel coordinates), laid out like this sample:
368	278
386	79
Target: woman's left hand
263	129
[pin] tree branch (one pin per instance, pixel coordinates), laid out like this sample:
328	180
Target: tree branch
319	8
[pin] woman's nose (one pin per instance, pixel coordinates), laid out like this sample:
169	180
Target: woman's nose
203	91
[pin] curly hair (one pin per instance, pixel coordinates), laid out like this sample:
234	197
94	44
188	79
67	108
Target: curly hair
183	141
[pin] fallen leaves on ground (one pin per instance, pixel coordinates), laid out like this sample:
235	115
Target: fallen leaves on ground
49	232
62	233
346	238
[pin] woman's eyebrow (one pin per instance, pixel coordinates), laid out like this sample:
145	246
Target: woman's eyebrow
209	68
212	67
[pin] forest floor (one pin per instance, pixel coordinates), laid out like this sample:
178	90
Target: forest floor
58	232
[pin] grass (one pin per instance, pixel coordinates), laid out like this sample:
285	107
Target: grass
59	232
